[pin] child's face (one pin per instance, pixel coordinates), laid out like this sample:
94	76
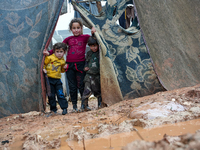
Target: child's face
59	53
94	47
76	29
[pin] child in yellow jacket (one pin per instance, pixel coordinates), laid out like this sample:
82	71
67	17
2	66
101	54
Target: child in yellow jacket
54	65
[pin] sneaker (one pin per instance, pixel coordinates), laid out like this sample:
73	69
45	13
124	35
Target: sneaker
88	108
64	112
54	112
75	110
81	110
51	113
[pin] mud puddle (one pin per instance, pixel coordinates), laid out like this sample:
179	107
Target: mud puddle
117	141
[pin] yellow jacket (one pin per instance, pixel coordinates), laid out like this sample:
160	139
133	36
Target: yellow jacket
54	66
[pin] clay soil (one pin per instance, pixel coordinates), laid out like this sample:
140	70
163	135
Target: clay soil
166	120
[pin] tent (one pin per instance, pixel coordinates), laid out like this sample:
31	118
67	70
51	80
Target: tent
160	50
24	32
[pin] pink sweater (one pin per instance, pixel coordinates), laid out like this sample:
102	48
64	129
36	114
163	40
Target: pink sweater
76	47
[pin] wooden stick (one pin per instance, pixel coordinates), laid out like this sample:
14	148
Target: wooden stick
126	114
138	134
84	144
110	143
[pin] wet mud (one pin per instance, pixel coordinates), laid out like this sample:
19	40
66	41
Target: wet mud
167	120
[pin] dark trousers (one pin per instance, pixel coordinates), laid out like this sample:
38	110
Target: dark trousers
57	89
92	86
75	76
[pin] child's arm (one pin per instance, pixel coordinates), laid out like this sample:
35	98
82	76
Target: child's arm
47	53
63	68
86	68
44	70
46	62
93	30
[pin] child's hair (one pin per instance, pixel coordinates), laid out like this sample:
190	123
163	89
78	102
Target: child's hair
60	45
92	40
75	20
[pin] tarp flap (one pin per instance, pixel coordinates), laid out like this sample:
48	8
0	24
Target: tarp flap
125	67
172	34
64	7
25	27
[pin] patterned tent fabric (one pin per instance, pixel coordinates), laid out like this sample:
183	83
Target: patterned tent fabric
172	33
126	67
25	27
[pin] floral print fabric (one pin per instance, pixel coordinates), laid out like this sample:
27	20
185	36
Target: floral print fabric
25	26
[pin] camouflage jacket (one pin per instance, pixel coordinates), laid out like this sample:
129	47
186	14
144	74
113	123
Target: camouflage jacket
92	61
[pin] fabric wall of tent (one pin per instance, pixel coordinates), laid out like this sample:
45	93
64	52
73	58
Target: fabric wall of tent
24	31
171	30
159	49
126	68
165	46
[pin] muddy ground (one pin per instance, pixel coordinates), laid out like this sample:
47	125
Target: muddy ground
166	120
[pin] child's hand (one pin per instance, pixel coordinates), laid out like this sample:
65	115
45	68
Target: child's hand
65	66
86	68
44	70
45	52
93	30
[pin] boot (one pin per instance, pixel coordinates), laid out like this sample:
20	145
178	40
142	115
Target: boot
75	108
82	109
87	108
64	112
84	105
99	102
